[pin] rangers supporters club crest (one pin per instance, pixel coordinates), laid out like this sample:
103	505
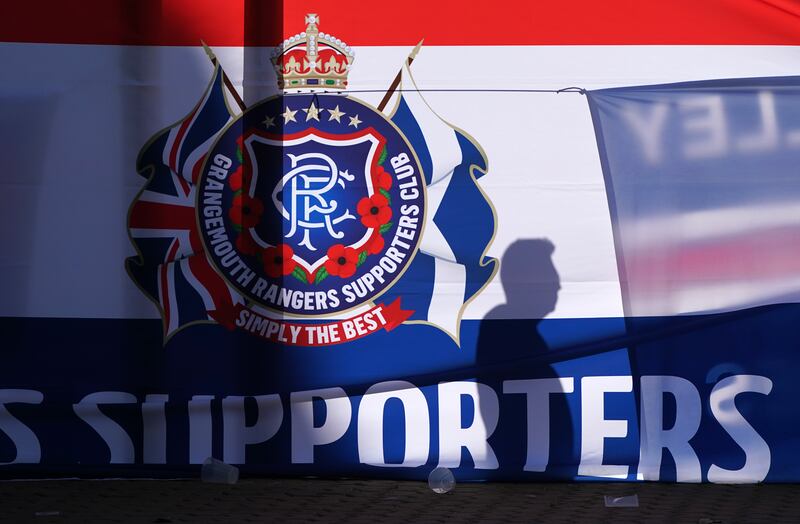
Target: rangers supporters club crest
311	218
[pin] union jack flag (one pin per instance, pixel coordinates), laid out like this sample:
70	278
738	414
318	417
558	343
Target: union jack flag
171	266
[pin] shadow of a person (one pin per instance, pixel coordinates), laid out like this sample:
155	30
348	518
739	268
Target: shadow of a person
531	284
509	337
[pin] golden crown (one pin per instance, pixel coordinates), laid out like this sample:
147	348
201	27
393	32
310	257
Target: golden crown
312	60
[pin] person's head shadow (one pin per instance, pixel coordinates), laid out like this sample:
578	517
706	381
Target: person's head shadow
531	284
530	280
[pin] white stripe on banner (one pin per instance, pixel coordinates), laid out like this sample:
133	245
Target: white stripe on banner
97	105
449	286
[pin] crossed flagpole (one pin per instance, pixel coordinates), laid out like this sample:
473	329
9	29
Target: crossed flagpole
225	80
381	106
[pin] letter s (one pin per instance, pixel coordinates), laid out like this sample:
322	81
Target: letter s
411	210
24	439
756	451
119	443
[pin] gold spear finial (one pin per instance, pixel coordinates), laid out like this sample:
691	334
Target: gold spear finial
225	80
414	51
396	82
208	51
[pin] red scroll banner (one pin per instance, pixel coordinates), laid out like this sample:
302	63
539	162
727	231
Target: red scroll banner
312	334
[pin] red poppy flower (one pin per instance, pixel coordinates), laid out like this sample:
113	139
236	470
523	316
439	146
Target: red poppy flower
341	261
374	210
245	243
239	179
383	179
375	244
245	211
278	260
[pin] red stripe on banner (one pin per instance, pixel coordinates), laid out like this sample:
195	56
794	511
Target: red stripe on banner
512	22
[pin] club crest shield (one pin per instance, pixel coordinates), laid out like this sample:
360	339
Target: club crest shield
309	190
305	219
325	175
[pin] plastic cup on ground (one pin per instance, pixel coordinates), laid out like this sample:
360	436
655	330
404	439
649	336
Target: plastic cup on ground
629	501
441	480
217	471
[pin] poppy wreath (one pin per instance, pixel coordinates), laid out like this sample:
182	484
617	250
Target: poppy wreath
245	211
375	213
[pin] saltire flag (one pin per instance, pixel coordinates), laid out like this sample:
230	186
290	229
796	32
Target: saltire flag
171	266
451	267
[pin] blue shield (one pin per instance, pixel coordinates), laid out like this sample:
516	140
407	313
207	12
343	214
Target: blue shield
310	184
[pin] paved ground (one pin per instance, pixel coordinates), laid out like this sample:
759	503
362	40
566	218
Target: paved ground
353	501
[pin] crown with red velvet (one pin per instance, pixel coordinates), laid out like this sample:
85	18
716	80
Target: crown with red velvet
312	60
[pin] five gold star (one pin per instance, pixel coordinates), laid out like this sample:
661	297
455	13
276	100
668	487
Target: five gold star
354	121
312	113
336	114
288	115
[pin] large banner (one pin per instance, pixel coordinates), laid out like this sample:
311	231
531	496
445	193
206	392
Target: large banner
346	240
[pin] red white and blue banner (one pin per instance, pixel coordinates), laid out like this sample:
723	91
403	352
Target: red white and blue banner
337	239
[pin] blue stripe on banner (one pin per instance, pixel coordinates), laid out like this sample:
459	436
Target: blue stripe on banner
415	287
715	361
405	120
